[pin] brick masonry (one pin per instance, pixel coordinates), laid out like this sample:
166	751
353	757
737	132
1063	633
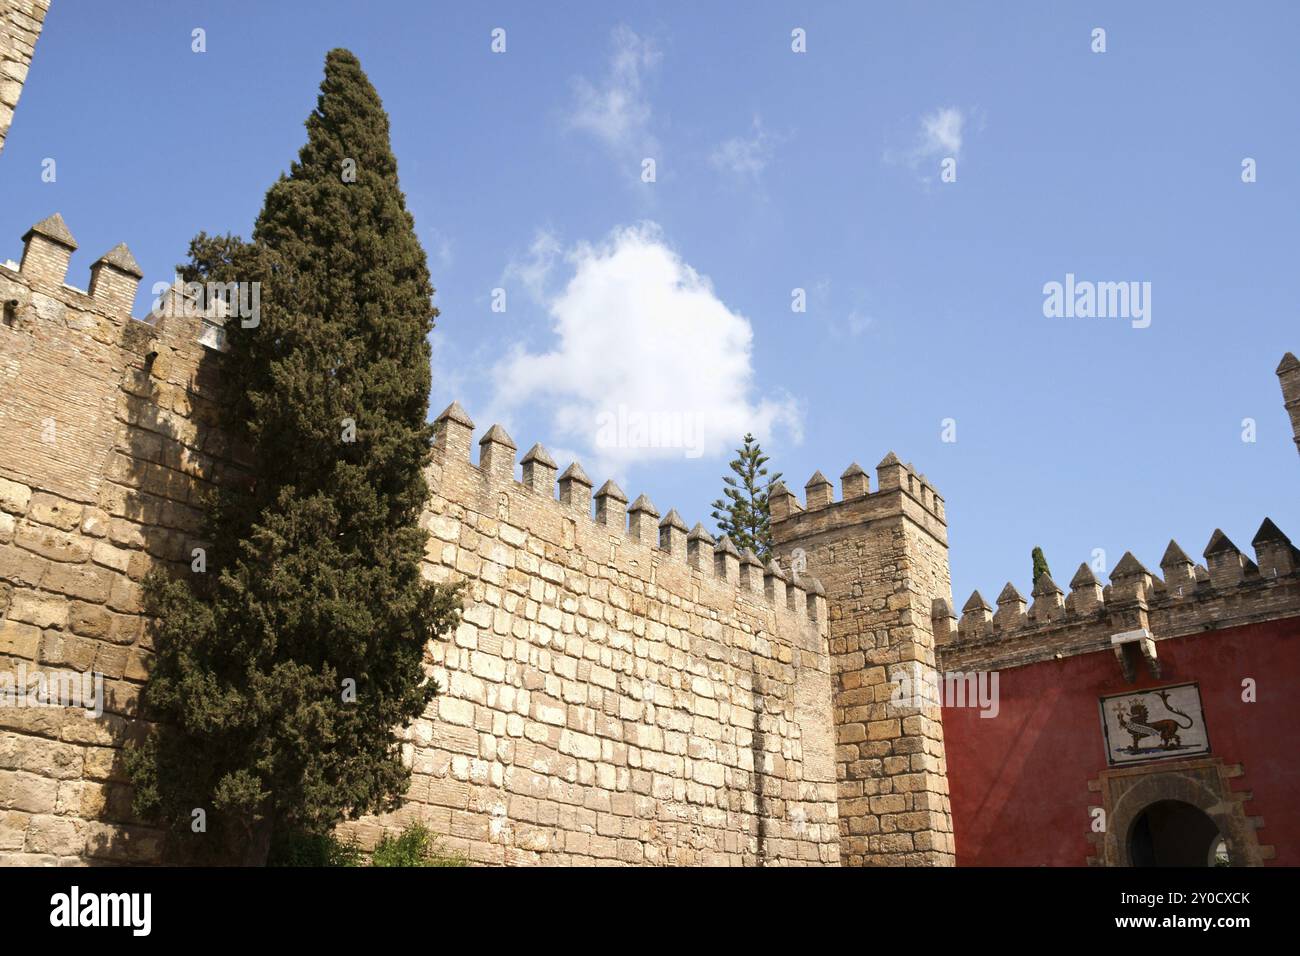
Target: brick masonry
1229	590
106	448
882	558
620	690
20	26
615	692
1288	373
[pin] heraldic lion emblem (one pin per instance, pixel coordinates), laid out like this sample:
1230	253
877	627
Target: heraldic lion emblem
1137	723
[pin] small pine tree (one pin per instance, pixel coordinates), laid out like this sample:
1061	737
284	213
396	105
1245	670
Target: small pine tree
743	513
1040	565
283	673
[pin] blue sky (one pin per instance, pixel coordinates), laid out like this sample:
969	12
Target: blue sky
774	171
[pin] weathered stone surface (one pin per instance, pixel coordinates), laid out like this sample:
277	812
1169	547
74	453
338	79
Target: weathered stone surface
618	692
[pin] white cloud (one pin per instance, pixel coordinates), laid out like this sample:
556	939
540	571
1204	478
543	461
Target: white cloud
533	270
617	111
648	362
857	323
940	136
941	133
744	157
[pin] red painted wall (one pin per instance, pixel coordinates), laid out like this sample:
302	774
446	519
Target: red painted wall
1019	781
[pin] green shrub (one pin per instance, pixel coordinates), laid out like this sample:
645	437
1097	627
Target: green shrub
313	849
414	846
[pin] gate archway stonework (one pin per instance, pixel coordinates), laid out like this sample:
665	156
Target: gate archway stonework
1126	792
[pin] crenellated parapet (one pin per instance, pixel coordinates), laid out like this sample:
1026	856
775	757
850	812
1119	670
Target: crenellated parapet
47	252
79	368
857	500
882	558
623	662
1228	590
635	532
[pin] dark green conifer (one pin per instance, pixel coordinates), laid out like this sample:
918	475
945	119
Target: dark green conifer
284	672
1040	565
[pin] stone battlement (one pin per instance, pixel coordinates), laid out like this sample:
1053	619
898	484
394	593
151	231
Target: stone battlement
47	252
647	539
619	688
1229	590
855	484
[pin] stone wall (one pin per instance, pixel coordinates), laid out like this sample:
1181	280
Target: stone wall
1288	373
620	690
105	448
20	27
882	558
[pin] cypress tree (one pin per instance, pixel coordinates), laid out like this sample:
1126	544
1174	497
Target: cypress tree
743	513
1040	565
284	672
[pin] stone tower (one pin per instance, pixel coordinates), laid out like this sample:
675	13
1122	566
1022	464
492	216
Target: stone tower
20	26
1289	374
882	559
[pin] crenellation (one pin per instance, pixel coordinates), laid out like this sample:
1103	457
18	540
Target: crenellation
1273	550
47	252
618	690
454	430
796	595
726	561
819	492
816	597
1130	581
672	535
854	482
976	618
927	492
1086	595
782	501
1179	570
1190	600
643	521
575	489
1227	565
1049	600
1010	615
943	621
699	550
539	470
751	572
891	474
496	453
774	584
611	507
114	280
666	538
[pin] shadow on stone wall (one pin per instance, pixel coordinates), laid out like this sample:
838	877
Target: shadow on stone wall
169	454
